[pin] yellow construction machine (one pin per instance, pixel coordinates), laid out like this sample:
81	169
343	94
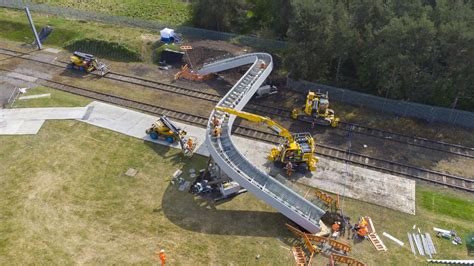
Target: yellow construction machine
298	149
87	63
316	110
164	128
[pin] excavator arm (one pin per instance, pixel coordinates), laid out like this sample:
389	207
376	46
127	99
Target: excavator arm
259	119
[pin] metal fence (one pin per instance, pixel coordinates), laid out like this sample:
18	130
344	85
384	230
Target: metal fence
71	13
401	108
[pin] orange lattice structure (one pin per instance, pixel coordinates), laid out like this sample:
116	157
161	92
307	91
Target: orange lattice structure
189	74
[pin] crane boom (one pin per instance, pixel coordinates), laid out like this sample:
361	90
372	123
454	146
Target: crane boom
282	131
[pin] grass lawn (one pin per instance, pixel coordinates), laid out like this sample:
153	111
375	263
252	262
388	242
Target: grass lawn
58	98
175	12
65	199
14	26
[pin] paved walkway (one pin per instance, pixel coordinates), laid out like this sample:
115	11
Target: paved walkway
367	185
23	121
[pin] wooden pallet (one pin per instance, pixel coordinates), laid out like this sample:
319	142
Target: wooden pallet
378	244
299	255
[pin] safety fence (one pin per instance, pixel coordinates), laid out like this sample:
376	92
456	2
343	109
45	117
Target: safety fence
401	108
72	13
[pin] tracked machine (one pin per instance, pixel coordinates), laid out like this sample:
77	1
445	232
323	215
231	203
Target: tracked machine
298	149
87	63
316	110
165	129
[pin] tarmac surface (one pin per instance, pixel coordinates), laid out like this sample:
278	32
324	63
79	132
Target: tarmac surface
382	189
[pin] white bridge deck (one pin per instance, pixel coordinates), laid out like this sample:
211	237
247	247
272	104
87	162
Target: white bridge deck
234	164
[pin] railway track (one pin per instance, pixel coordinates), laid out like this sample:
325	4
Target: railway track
387	166
327	151
455	149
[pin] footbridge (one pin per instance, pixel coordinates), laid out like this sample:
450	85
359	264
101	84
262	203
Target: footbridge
234	164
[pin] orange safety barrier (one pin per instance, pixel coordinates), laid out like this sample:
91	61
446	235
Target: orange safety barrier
327	199
299	255
333	243
347	260
309	245
295	230
318	239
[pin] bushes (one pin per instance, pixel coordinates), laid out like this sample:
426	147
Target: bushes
158	47
104	49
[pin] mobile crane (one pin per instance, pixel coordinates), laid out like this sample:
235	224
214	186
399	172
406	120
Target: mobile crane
298	148
316	110
164	128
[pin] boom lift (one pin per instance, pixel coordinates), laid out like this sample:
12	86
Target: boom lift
298	149
88	63
316	110
164	128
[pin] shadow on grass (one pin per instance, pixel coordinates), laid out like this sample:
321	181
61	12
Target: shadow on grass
162	151
199	215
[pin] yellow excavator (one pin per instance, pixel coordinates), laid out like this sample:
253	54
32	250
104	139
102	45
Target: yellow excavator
167	130
316	110
298	148
87	63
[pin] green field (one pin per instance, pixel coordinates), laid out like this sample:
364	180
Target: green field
14	26
174	12
58	98
65	200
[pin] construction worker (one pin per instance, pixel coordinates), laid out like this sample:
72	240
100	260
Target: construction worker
335	229
215	121
362	232
289	168
190	143
217	131
162	257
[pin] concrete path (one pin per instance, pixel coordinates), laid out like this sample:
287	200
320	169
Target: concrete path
382	189
29	120
134	124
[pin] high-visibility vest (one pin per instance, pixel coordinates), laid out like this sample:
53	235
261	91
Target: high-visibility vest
162	258
362	231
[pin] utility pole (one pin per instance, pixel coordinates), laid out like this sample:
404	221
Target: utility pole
28	14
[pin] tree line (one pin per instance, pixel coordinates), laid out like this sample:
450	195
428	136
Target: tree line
415	50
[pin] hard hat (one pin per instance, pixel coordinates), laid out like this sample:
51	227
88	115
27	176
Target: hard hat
162	250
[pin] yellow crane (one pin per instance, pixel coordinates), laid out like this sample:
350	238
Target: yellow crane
316	110
298	149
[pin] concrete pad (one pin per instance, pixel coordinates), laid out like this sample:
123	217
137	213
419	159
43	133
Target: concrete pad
35	96
43	113
367	185
22	77
52	50
20	127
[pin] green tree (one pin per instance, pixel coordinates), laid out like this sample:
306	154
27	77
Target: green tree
309	33
219	15
454	56
401	51
344	39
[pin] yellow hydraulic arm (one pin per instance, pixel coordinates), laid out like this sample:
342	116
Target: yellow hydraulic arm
259	119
